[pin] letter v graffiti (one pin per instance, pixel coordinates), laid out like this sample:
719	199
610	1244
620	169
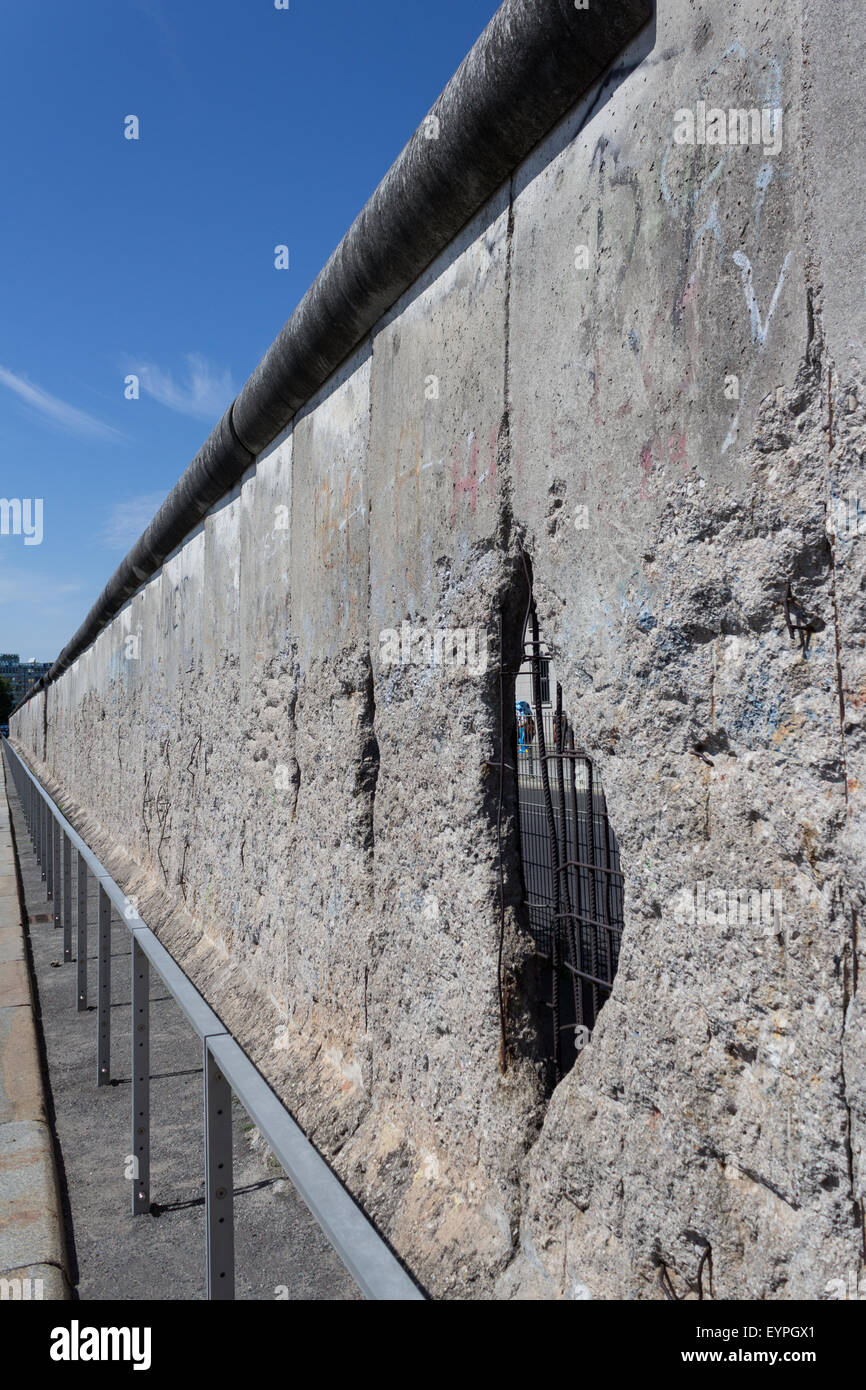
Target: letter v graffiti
760	328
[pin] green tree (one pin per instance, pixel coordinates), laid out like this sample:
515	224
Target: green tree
5	700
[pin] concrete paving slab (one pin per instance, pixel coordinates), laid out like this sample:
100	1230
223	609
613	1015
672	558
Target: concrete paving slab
21	1090
14	984
30	1219
11	942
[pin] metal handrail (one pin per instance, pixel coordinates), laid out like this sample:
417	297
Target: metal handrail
227	1069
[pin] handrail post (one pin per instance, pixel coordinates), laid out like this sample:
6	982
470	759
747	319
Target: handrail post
103	1005
219	1181
49	853
67	898
56	872
140	1032
81	940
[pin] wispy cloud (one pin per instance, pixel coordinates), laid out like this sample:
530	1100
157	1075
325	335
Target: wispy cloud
126	520
18	585
31	600
205	394
169	36
67	417
39	608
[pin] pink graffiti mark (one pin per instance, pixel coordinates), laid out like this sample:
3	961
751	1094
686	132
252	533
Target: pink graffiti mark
407	442
557	449
517	434
691	295
691	292
469	483
677	450
671	450
491	467
646	467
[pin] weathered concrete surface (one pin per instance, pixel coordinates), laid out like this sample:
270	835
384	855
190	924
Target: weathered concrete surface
834	135
315	833
441	558
834	126
714	1106
31	1226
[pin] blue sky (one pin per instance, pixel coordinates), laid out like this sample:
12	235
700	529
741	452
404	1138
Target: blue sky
257	127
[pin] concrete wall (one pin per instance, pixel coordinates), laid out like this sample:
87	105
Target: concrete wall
314	832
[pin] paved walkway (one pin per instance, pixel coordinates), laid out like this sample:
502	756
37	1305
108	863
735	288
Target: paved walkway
280	1251
32	1256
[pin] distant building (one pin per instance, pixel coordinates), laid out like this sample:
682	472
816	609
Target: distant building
523	686
21	675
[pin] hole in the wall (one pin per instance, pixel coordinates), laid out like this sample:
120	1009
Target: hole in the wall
571	864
